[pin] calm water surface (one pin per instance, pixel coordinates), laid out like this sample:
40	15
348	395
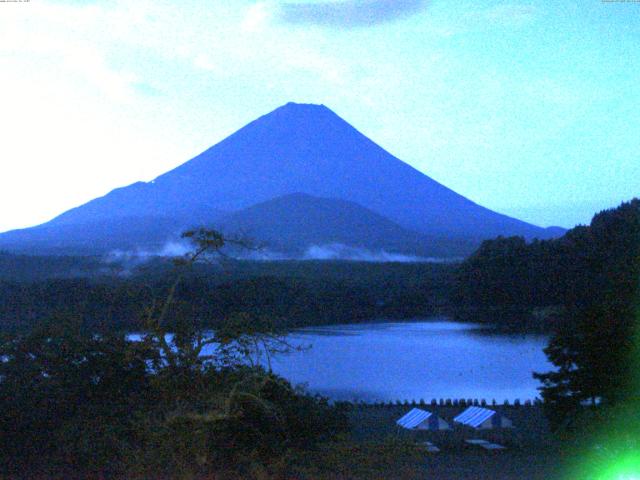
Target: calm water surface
417	360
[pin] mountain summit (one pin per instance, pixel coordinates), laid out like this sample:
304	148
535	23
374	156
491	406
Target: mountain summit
297	148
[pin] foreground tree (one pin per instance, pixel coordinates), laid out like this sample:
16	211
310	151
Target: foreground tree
596	352
181	401
67	397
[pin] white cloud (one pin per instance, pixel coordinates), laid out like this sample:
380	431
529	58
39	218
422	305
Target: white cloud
60	36
79	123
204	62
257	17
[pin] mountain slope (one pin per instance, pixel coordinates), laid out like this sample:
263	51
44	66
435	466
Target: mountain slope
97	236
295	148
295	222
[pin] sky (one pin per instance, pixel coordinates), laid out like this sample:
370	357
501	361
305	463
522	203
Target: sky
530	108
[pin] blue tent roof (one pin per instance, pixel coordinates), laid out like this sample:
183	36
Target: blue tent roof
474	416
414	418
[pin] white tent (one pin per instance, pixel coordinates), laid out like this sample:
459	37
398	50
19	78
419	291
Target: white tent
418	419
483	419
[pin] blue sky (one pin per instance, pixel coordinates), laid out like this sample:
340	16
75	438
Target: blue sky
529	108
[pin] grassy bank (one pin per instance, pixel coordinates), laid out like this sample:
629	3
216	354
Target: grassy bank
376	448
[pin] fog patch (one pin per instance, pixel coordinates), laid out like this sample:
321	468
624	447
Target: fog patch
169	249
123	262
339	251
264	255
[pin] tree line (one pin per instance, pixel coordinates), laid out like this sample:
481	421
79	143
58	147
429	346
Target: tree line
592	274
294	294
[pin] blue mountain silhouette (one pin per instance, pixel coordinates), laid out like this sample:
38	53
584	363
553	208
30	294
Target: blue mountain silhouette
297	148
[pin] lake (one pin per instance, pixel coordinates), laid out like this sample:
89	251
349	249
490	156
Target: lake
434	358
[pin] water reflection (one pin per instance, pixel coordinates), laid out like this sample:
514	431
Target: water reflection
434	358
420	359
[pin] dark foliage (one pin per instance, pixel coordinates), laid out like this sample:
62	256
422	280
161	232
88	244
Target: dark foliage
293	293
596	353
508	272
78	401
74	401
593	274
67	396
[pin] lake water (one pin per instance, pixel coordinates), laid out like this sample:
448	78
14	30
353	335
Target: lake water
417	360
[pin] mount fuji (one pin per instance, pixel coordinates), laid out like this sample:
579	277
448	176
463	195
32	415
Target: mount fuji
300	161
